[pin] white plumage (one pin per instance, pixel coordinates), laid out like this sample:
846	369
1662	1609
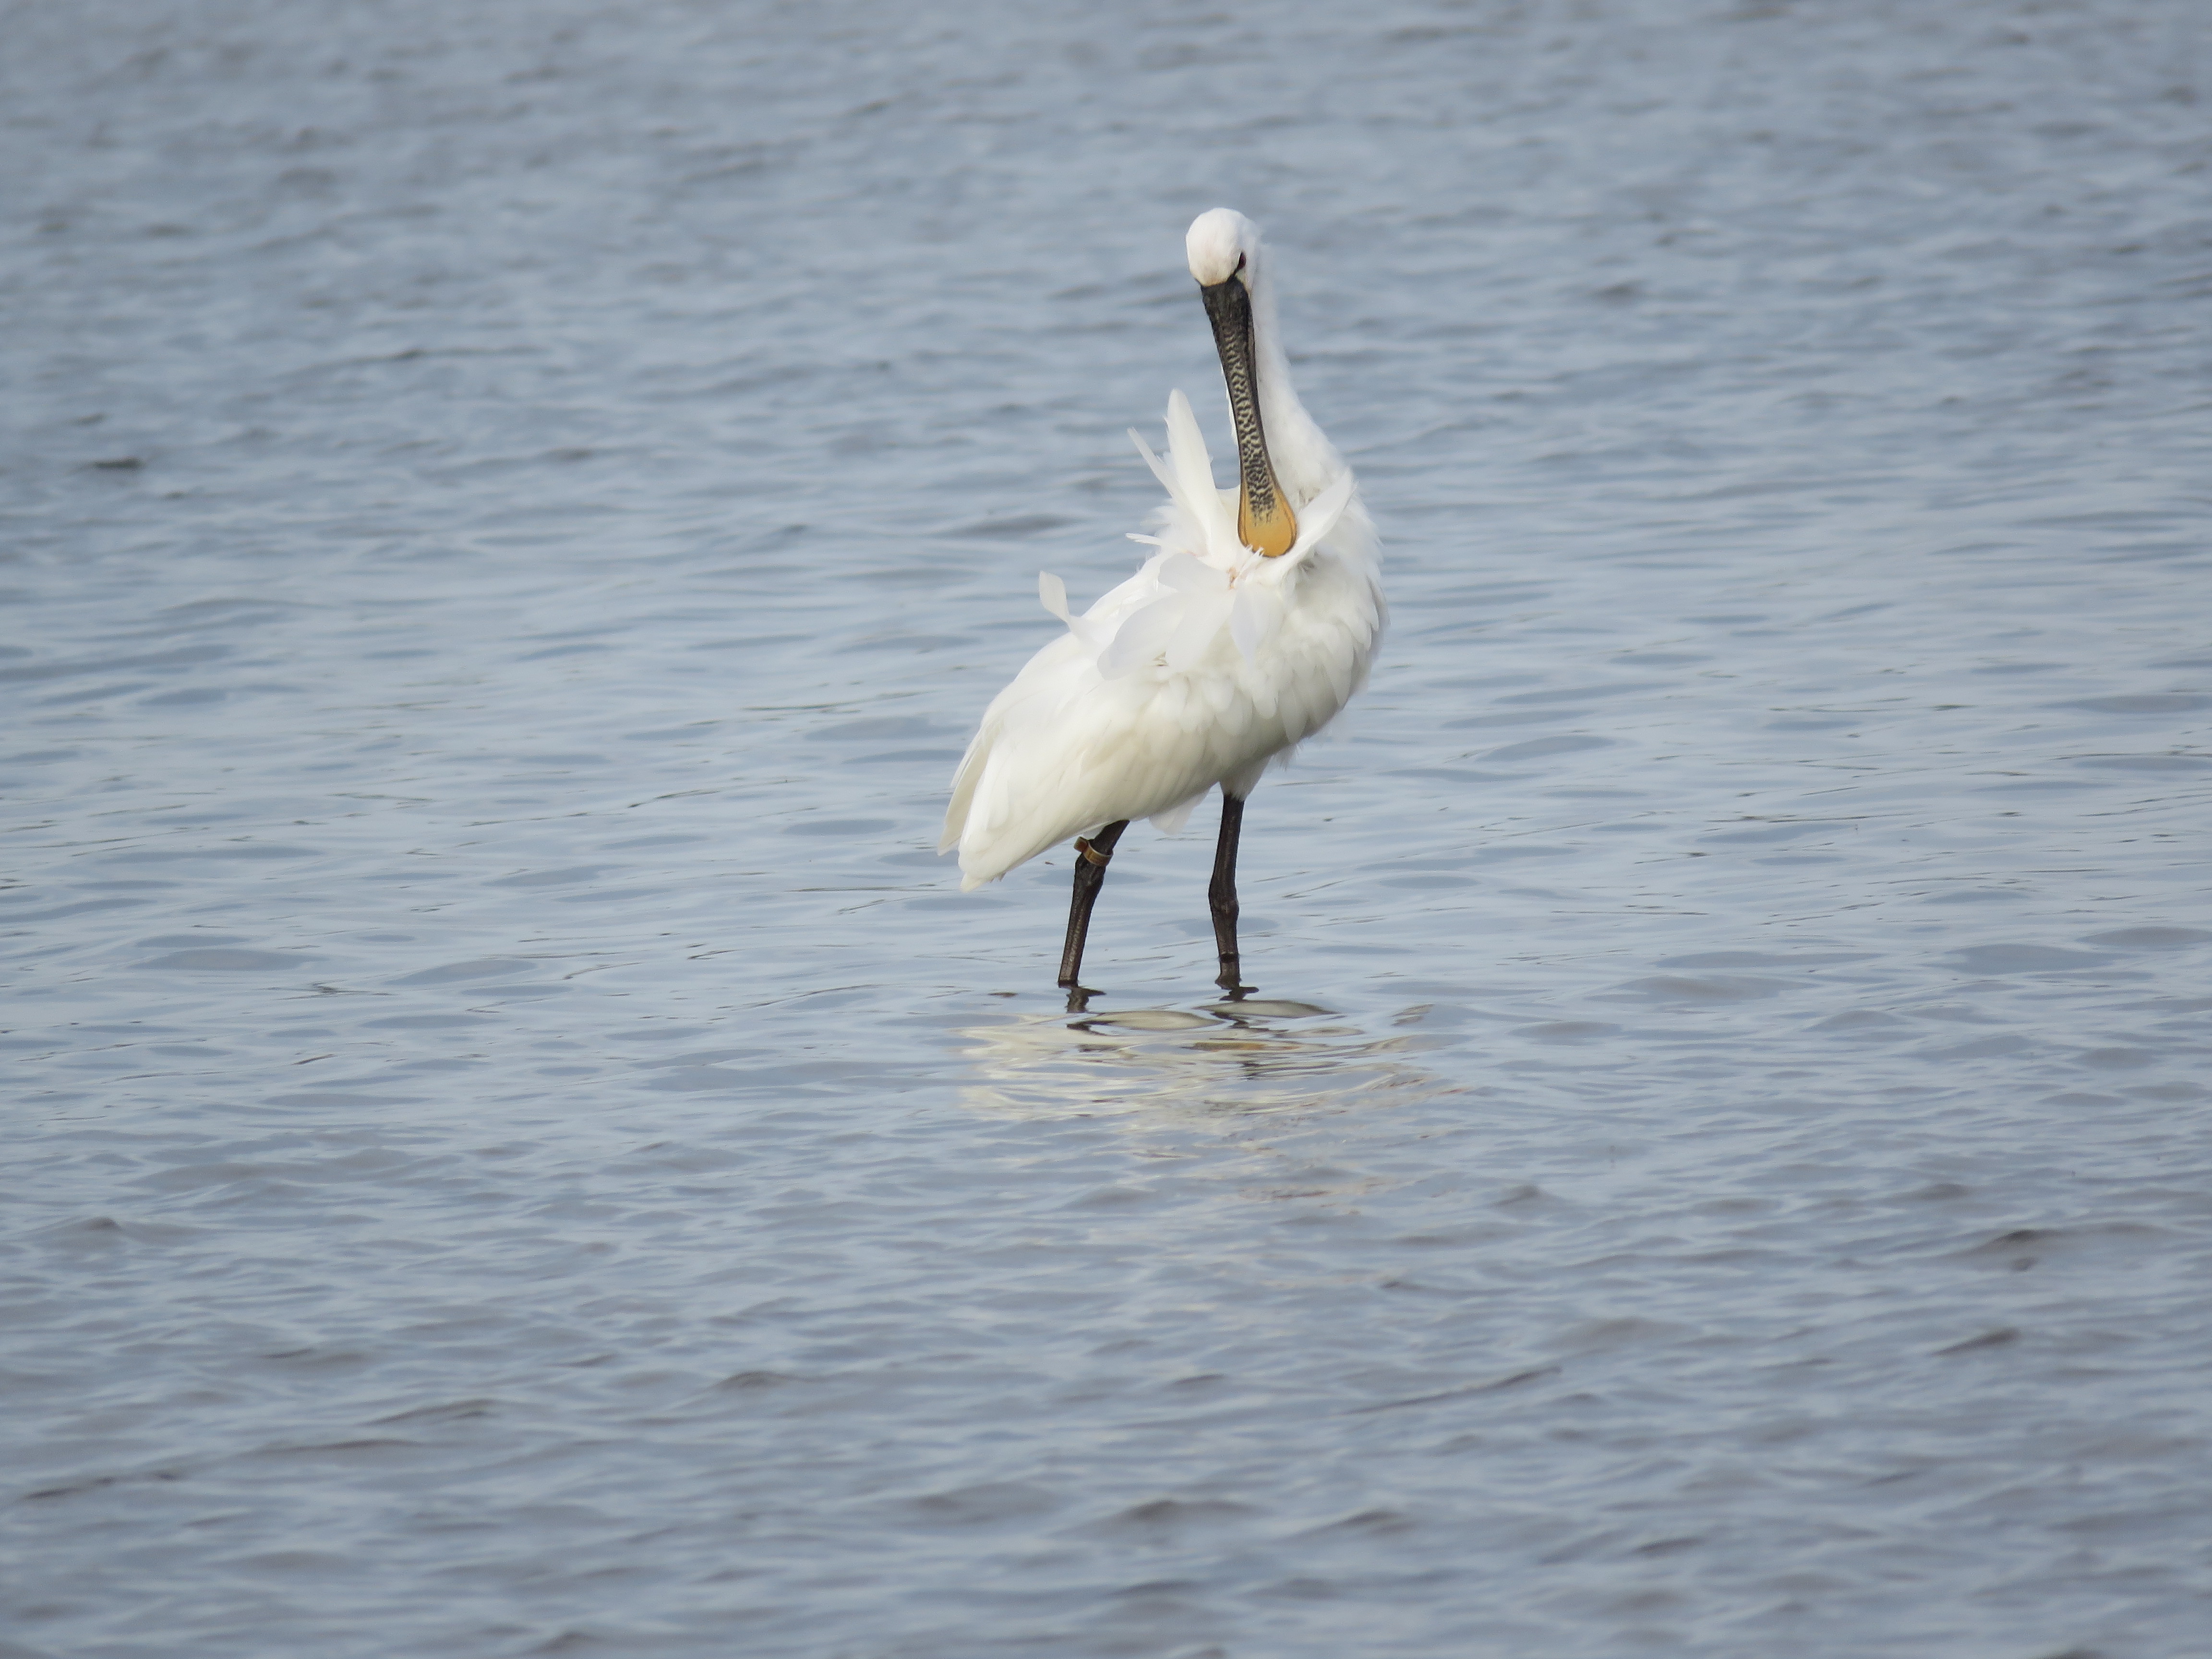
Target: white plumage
1213	658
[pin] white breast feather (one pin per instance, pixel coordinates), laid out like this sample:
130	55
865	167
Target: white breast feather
1201	668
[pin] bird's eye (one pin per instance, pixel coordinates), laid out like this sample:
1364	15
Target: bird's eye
1240	264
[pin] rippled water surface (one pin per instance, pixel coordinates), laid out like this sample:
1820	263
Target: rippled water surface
516	1142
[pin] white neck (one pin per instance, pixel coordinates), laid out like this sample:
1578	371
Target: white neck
1306	463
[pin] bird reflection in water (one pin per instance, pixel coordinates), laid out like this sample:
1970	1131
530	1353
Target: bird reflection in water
1246	1056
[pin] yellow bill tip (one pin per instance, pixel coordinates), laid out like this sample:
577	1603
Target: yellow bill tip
1273	532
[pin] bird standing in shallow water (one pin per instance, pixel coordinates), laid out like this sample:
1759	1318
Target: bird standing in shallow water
1247	629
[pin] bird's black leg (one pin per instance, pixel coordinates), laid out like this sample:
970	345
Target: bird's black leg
1091	858
1223	893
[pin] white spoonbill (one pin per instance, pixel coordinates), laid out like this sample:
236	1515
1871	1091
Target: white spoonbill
1247	629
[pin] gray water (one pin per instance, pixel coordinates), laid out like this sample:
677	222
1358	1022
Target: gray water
516	1142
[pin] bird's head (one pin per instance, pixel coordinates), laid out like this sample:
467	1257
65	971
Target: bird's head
1221	242
1224	247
